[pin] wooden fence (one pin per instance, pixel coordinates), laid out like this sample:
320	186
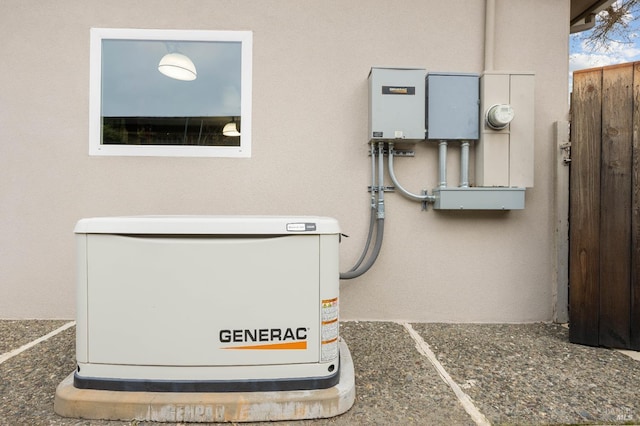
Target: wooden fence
604	219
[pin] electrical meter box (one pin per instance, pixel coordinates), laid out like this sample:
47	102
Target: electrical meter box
453	106
207	303
397	104
505	155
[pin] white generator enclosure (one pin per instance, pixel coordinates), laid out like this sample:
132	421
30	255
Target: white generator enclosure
207	303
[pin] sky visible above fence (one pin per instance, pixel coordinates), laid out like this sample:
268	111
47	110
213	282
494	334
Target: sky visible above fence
585	55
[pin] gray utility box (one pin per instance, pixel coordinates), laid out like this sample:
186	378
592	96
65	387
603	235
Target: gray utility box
476	198
397	104
453	106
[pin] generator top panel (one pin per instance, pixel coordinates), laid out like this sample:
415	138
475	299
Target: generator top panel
208	225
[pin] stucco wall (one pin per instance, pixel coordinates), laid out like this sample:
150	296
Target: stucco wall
310	66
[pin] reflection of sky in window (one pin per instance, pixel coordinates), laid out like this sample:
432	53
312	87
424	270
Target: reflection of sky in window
132	86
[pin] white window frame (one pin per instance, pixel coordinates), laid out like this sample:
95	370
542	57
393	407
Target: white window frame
96	147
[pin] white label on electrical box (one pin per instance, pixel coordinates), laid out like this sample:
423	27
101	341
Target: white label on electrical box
301	227
399	134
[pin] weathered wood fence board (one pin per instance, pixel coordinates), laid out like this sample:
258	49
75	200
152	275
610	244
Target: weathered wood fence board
635	214
615	206
584	228
604	257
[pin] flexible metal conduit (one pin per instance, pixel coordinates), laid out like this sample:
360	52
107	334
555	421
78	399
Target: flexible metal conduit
399	187
358	270
372	216
372	223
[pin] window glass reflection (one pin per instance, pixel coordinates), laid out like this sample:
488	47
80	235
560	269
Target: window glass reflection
142	106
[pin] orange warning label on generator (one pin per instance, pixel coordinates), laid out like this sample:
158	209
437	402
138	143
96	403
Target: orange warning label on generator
329	329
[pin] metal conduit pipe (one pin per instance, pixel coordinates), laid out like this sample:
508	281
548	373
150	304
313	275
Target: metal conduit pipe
373	175
372	258
379	222
365	250
464	164
399	187
372	216
442	164
380	180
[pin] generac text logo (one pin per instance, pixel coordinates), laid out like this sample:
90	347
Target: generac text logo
265	338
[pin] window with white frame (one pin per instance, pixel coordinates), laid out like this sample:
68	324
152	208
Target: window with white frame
170	93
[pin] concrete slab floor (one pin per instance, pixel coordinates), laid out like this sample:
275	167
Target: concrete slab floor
512	374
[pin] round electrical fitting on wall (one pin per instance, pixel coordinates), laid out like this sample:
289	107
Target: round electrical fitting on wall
499	116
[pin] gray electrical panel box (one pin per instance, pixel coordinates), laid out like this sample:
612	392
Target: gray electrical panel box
476	198
397	104
453	106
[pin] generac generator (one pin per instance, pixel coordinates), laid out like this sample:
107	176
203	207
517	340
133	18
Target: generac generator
207	303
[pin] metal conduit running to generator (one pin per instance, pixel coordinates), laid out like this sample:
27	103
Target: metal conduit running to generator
376	220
